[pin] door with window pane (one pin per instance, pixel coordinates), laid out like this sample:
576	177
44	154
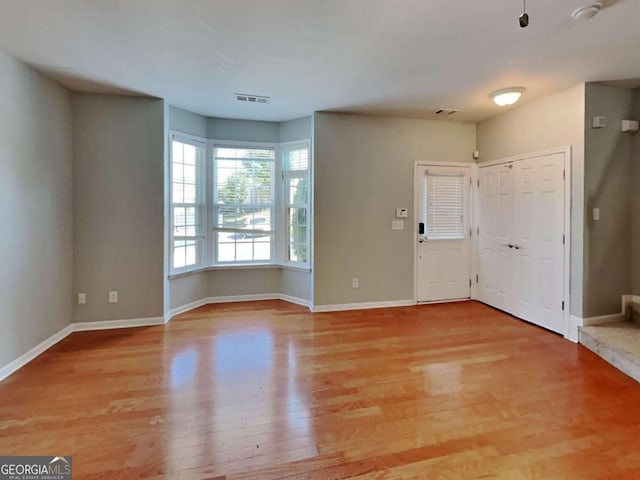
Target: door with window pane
443	262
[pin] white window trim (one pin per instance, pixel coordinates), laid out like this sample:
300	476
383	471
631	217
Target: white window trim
212	242
206	259
202	255
283	203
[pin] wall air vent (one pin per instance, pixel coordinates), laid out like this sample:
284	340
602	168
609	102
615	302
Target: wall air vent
447	111
244	97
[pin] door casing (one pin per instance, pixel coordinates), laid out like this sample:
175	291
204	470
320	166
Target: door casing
566	150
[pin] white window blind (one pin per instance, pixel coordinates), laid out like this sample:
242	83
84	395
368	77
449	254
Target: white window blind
445	206
244	200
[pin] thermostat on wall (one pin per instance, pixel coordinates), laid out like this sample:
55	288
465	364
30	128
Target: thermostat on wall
401	213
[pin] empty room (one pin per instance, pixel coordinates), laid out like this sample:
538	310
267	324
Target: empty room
319	239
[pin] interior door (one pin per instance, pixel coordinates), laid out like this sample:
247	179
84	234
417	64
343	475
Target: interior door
495	259
443	251
538	282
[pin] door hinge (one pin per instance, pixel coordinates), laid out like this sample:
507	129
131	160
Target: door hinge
563	239
470	232
564	174
477	278
470	181
478	183
478	231
563	306
469	283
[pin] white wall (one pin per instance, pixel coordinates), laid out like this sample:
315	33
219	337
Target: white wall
119	205
554	121
35	207
364	169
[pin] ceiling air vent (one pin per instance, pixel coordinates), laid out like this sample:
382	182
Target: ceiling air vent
447	111
244	97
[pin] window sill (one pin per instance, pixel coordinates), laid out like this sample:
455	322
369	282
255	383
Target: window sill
250	266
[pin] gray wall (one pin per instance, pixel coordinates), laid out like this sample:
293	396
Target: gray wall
187	122
635	199
297	129
554	121
243	130
250	281
35	207
607	242
118	208
364	168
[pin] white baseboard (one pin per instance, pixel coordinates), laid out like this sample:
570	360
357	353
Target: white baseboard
184	308
296	300
604	319
244	298
22	360
574	328
25	358
361	306
236	298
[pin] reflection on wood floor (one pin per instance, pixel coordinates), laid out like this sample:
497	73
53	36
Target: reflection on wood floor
267	390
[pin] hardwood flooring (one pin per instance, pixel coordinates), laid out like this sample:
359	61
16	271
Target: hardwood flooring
267	390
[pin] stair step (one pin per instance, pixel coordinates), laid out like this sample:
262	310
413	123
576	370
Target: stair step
634	308
618	343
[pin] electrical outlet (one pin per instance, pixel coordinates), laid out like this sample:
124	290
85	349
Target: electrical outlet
82	298
355	282
113	297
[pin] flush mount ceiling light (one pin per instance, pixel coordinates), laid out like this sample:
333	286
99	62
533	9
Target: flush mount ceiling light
587	12
507	96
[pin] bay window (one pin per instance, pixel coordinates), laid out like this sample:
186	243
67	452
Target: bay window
249	204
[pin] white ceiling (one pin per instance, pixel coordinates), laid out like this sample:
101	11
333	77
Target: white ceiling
401	57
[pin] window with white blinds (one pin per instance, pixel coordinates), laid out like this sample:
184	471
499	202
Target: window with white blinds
244	203
187	202
295	175
445	206
238	203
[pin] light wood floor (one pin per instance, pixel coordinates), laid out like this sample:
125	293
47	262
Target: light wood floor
266	390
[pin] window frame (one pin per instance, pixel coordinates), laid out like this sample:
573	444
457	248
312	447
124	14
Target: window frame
211	208
207	238
286	176
200	205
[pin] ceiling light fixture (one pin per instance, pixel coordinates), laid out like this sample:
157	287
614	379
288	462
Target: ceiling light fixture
587	12
507	96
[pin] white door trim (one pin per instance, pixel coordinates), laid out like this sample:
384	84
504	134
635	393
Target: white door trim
567	151
473	169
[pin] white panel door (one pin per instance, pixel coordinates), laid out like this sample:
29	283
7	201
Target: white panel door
495	258
538	281
443	251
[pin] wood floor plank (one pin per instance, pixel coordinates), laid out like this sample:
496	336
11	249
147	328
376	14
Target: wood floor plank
267	390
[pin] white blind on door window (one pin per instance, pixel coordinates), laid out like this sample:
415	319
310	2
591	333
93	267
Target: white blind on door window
445	206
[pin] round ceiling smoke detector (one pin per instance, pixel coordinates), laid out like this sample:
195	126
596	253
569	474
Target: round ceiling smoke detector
587	12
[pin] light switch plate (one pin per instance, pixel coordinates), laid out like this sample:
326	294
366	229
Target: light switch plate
402	213
397	225
113	297
596	214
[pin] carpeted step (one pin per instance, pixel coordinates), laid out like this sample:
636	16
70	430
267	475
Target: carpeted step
617	343
634	308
